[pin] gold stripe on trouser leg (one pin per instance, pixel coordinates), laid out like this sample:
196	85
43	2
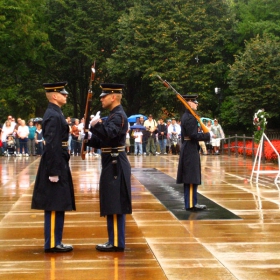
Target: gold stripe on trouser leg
191	196
52	229
115	222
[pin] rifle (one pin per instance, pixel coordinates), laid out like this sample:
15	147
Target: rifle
181	98
86	116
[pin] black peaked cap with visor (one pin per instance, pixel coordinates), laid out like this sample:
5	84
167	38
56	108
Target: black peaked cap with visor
56	87
190	97
111	88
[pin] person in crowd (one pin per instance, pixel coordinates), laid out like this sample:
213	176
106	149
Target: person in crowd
7	130
138	121
53	189
16	135
168	141
202	145
145	135
162	136
208	143
115	178
151	127
75	132
137	135
127	140
189	168
81	128
69	122
23	132
218	134
1	143
174	130
31	139
39	140
11	120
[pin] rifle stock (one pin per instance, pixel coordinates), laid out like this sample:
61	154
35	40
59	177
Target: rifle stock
181	98
86	115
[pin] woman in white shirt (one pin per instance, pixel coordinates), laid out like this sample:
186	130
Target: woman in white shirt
6	131
23	132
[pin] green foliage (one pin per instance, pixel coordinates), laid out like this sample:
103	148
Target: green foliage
254	80
23	44
184	42
189	43
81	32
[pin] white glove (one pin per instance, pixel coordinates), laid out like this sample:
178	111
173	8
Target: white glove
95	119
53	179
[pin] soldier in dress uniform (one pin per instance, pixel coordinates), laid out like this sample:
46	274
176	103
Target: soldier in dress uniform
115	185
53	189
189	169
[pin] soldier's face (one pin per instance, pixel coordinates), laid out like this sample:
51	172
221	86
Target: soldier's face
107	101
193	105
61	99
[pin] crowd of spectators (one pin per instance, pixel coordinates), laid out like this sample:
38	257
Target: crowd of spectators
164	137
153	137
19	139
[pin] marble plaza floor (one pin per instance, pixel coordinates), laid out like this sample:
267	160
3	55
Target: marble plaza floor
163	241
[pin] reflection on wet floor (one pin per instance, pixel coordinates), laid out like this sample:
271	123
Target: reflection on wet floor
171	195
237	238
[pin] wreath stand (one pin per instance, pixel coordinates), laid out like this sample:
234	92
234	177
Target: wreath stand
258	158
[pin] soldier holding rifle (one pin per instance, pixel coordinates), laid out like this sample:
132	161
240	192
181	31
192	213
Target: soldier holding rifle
115	185
189	169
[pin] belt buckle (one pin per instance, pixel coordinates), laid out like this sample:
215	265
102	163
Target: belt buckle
114	152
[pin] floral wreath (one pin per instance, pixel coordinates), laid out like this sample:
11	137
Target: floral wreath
259	121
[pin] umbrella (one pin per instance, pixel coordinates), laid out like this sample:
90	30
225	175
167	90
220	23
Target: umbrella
36	119
138	126
133	118
206	120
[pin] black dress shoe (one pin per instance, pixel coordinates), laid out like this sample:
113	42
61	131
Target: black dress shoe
60	249
197	207
107	247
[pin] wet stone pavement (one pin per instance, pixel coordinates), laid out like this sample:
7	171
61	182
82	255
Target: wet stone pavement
238	237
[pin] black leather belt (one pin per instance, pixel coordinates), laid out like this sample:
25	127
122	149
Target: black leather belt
187	138
109	150
64	144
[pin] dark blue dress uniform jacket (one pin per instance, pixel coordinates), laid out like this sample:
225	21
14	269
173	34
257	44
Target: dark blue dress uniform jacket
54	161
114	194
189	169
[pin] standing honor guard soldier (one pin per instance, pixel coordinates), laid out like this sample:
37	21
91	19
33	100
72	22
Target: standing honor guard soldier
189	169
53	189
115	185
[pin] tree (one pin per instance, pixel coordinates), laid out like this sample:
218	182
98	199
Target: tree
254	80
81	32
183	41
256	17
23	44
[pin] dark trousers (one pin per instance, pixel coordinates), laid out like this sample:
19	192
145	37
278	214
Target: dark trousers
23	145
116	230
151	147
175	149
190	195
39	148
76	145
54	222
